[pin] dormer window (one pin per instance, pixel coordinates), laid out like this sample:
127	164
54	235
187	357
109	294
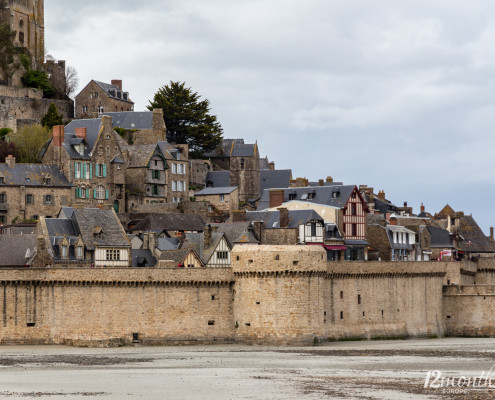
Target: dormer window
335	195
107	136
47	180
98	232
64	251
79	252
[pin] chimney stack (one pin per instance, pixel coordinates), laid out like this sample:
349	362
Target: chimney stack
492	239
239	216
117	82
207	236
258	230
58	135
284	217
271	166
422	208
153	238
320	182
393	220
405	204
276	198
81	133
146	241
10	161
381	195
329	179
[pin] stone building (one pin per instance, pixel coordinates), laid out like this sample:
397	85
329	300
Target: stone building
224	199
27	18
97	98
142	127
89	155
28	191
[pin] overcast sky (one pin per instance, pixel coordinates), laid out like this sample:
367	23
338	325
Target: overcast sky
398	95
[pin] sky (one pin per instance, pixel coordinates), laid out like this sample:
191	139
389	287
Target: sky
397	95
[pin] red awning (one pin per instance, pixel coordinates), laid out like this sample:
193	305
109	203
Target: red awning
328	247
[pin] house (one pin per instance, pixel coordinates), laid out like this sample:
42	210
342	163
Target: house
178	173
441	244
237	232
211	246
89	237
182	258
98	97
174	225
393	242
28	191
89	154
223	199
342	205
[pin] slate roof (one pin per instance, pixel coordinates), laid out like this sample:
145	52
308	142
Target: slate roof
170	151
218	179
170	222
165	244
243	150
113	91
139	155
322	195
401	229
471	232
88	218
278	178
92	126
59	227
271	219
32	175
66	212
143	259
264	163
237	232
139	120
18	246
177	256
224	149
440	238
216	190
196	241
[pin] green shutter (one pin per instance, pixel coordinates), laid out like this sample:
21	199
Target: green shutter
90	170
87	193
104	170
84	170
106	194
94	193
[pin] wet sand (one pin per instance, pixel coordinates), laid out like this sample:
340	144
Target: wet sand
342	370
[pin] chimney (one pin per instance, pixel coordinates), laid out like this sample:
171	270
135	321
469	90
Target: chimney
449	224
153	238
207	236
258	230
107	123
239	216
491	235
81	133
405	204
58	135
393	220
271	166
117	82
320	182
284	217
276	198
381	195
422	208
158	122
329	179
146	241
10	161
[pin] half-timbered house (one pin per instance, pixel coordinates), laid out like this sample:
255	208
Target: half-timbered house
212	247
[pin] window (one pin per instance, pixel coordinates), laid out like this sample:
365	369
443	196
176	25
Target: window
99	192
79	252
47	181
2	180
48	199
242	163
292	196
223	255
174	186
311	196
174	168
341	294
77	170
342	315
113	255
353	209
101	170
21	37
100	111
354	229
222	198
2	219
84	109
181	170
29	199
155	190
335	195
180	186
64	251
156	174
359	299
313	228
353	195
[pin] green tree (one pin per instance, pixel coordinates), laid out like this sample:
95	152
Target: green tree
38	80
8	62
52	117
187	118
29	141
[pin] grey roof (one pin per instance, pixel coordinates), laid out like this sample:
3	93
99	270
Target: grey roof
88	219
278	178
224	149
32	175
439	237
243	150
143	259
218	179
17	246
474	238
165	244
264	163
92	129
177	256
271	219
170	151
117	160
170	222
321	195
66	212
139	155
196	241
237	232
216	190
113	91
140	120
61	227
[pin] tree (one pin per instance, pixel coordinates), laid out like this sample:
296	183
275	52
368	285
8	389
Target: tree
8	52
52	117
71	80
187	118
29	141
6	149
38	80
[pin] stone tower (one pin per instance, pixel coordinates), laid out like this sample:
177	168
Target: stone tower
27	18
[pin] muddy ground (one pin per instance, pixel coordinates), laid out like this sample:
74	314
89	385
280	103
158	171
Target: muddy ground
341	370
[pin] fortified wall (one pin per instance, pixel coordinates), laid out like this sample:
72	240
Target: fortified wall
272	294
25	106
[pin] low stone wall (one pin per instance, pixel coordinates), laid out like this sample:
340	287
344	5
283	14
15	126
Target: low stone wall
469	310
486	271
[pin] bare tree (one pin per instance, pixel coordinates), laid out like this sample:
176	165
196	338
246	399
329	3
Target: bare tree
71	80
